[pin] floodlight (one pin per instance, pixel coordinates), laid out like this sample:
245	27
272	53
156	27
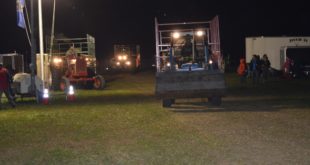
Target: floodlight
200	33
176	35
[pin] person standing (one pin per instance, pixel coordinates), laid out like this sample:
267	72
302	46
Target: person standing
254	69
265	67
242	70
287	68
5	85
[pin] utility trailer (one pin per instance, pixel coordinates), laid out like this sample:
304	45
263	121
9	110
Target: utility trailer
278	48
189	61
21	84
14	62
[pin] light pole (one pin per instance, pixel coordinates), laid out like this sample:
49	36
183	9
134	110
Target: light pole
33	49
41	41
52	31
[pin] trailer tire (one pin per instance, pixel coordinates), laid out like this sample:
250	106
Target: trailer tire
64	84
216	100
99	82
167	103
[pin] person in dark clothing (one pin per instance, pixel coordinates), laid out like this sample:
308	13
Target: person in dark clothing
265	67
5	85
11	73
255	69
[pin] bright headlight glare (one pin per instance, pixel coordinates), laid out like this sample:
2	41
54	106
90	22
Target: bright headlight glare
210	62
45	93
119	57
118	63
128	63
168	64
176	35
199	33
124	57
57	60
71	90
73	61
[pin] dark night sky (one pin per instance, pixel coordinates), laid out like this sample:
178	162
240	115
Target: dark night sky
132	21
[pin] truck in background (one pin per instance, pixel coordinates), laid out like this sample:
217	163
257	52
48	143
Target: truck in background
126	58
278	49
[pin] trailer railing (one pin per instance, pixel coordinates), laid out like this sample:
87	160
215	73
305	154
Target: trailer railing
193	42
60	46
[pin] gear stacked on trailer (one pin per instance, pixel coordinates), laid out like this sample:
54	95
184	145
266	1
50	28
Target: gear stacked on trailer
73	61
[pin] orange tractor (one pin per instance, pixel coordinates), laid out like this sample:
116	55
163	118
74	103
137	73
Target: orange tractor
73	62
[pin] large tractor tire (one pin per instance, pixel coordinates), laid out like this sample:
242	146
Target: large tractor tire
99	82
64	84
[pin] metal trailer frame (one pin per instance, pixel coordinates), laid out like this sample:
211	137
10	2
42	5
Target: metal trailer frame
84	47
212	39
204	82
61	45
13	64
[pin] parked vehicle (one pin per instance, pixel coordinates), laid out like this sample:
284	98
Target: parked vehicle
278	49
73	61
188	61
126	57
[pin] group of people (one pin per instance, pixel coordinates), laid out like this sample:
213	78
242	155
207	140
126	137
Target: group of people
5	85
258	69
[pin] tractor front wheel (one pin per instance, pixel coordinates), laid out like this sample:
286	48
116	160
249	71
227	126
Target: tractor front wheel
99	82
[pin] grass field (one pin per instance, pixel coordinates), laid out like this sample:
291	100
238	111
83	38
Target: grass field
125	124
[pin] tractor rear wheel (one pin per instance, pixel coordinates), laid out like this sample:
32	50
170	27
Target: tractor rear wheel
64	84
99	82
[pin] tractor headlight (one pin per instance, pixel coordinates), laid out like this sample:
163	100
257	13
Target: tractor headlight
57	60
125	57
176	35
118	63
128	63
73	61
200	33
120	57
168	64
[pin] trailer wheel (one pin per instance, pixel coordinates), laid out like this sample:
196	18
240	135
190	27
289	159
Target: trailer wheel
168	102
216	100
64	84
99	82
